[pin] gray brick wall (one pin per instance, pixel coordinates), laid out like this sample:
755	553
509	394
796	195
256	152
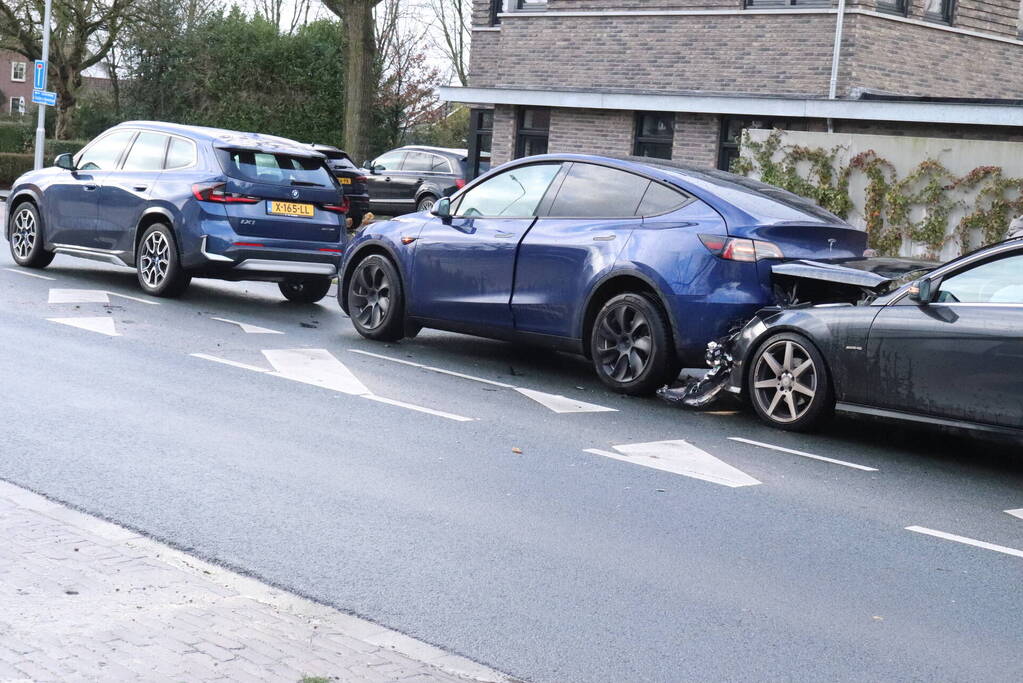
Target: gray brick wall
696	139
592	131
502	146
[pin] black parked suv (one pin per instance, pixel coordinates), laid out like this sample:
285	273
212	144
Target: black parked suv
412	178
352	178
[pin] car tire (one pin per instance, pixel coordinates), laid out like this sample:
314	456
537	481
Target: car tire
788	383
630	345
306	291
425	203
376	299
26	237
158	264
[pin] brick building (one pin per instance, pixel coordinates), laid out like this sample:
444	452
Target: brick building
681	79
15	83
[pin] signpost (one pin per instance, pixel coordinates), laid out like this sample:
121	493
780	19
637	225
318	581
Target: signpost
46	99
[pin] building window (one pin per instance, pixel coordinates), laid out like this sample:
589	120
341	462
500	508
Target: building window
939	10
530	5
18	71
481	136
781	4
496	7
533	129
893	6
17	105
655	133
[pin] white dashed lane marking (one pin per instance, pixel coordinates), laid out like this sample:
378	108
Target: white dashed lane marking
101	324
967	541
1018	512
803	454
247	328
554	402
90	296
680	457
22	271
320	368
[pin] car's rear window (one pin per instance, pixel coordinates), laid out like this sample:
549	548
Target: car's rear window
275	169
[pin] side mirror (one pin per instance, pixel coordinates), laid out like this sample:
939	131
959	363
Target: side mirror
442	210
370	166
920	291
65	161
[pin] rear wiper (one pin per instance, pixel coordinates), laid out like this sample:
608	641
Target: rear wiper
305	183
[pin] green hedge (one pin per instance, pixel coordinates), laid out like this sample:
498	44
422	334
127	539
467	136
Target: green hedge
12	166
15	137
57	147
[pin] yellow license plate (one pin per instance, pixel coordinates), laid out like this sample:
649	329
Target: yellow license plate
345	181
291	209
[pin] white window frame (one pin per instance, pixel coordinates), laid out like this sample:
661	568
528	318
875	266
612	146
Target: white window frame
24	71
18	105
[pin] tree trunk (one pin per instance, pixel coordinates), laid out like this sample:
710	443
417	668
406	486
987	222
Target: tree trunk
360	85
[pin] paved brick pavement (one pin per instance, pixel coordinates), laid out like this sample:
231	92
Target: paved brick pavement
85	600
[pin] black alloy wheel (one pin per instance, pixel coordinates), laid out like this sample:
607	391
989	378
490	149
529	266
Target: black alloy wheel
631	346
376	301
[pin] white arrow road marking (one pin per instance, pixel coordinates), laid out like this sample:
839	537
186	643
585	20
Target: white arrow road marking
320	368
680	457
101	324
843	463
562	404
968	541
1018	512
22	271
555	402
249	329
89	296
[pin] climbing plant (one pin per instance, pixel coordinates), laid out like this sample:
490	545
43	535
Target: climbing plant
917	206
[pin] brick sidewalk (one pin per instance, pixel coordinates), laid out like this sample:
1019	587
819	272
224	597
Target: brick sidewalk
82	599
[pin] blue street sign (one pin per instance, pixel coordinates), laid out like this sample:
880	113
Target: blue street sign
40	75
44	97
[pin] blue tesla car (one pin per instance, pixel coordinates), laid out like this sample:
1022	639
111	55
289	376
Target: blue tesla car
177	202
634	264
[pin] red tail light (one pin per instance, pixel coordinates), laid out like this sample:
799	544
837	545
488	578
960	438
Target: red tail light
217	193
459	183
360	179
736	249
338	208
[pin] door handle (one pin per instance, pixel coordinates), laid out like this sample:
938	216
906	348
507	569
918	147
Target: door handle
89	188
387	179
140	188
604	238
503	235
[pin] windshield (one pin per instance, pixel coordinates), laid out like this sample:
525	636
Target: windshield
275	169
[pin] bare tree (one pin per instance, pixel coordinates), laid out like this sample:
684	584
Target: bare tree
286	15
453	34
360	66
83	33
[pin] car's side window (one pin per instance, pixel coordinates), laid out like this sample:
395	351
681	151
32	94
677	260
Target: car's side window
592	191
661	199
514	193
389	162
439	164
418	161
995	282
180	154
103	154
147	152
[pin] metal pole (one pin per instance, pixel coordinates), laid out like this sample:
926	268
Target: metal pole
41	123
836	56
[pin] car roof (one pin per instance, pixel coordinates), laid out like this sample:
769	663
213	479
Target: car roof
743	202
454	151
229	139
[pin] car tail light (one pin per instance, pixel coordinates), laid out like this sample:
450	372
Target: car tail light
459	183
217	193
737	249
338	208
360	179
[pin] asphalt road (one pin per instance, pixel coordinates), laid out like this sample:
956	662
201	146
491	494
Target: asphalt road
399	493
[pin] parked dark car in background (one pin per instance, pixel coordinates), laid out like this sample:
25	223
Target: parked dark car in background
177	202
353	181
413	178
945	349
637	265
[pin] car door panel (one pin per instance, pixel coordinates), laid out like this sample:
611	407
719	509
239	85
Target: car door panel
72	208
124	191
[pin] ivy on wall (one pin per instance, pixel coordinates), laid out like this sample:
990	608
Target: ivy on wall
890	203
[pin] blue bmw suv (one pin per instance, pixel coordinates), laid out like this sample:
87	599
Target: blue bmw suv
635	264
177	202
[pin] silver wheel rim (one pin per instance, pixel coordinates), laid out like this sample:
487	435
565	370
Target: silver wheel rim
154	260
426	204
371	296
785	381
624	343
23	235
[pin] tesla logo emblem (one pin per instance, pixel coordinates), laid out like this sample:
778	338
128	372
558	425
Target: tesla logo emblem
294	195
831	244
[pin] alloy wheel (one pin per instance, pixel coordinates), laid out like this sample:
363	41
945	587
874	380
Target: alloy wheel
624	343
154	260
371	295
23	236
427	204
785	381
